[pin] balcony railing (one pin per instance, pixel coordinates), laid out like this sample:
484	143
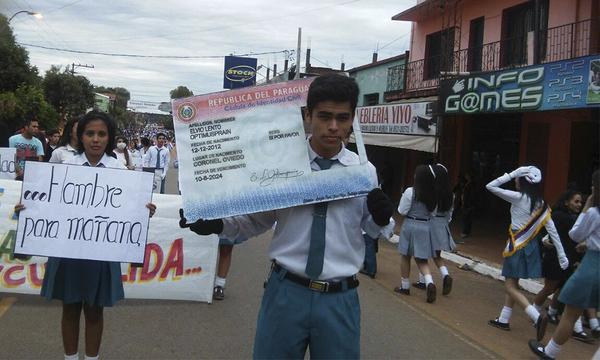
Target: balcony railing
555	44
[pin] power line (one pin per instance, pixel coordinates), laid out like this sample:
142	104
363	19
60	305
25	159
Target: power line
62	7
148	56
220	27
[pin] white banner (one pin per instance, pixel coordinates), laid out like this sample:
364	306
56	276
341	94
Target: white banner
149	107
7	163
245	151
178	265
84	212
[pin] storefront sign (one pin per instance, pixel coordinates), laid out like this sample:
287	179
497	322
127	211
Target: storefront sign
568	84
178	264
84	212
239	72
245	151
408	118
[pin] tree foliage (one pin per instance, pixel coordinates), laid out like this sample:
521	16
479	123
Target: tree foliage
180	92
26	100
70	95
15	69
118	108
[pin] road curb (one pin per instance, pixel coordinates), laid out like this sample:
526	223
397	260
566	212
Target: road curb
494	270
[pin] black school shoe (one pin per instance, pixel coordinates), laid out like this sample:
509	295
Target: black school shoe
402	291
447	287
420	285
540	327
431	293
596	333
371	275
553	319
582	336
218	293
538	349
496	323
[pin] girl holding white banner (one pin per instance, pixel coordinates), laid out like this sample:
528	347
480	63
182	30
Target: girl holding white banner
529	213
85	284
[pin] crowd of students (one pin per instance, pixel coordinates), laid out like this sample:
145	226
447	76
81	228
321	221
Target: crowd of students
32	144
317	250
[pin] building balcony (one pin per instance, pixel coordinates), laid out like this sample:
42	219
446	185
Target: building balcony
421	77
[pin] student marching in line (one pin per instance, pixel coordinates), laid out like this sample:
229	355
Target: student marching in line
225	253
67	145
582	290
529	213
564	214
86	285
417	205
440	232
310	299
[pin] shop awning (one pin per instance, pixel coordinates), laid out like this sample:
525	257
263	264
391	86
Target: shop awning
411	142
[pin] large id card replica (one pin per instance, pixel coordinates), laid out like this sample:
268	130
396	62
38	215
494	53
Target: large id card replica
245	151
84	212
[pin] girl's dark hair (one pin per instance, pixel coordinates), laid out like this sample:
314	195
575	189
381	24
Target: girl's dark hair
126	150
111	126
596	194
533	191
424	187
564	197
443	191
66	135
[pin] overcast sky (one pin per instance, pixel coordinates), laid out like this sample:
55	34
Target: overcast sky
209	30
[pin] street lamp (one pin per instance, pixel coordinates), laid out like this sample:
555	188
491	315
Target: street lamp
36	15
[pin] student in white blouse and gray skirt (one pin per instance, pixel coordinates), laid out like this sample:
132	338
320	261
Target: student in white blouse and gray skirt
529	213
417	204
582	290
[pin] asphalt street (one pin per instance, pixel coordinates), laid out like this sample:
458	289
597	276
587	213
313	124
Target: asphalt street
393	326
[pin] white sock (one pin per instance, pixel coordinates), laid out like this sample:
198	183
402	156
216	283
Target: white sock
444	271
505	315
91	358
428	279
220	282
532	312
537	307
72	357
405	283
421	278
593	323
552	349
552	311
578	327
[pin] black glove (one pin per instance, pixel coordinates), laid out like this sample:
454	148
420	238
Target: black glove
202	227
380	207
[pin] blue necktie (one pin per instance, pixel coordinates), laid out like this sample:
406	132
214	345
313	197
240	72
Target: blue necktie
158	158
316	251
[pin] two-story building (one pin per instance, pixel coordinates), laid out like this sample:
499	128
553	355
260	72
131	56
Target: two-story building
517	82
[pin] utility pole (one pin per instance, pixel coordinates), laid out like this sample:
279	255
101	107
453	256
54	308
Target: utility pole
298	55
73	66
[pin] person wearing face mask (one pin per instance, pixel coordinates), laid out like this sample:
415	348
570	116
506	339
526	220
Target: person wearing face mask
123	155
564	214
